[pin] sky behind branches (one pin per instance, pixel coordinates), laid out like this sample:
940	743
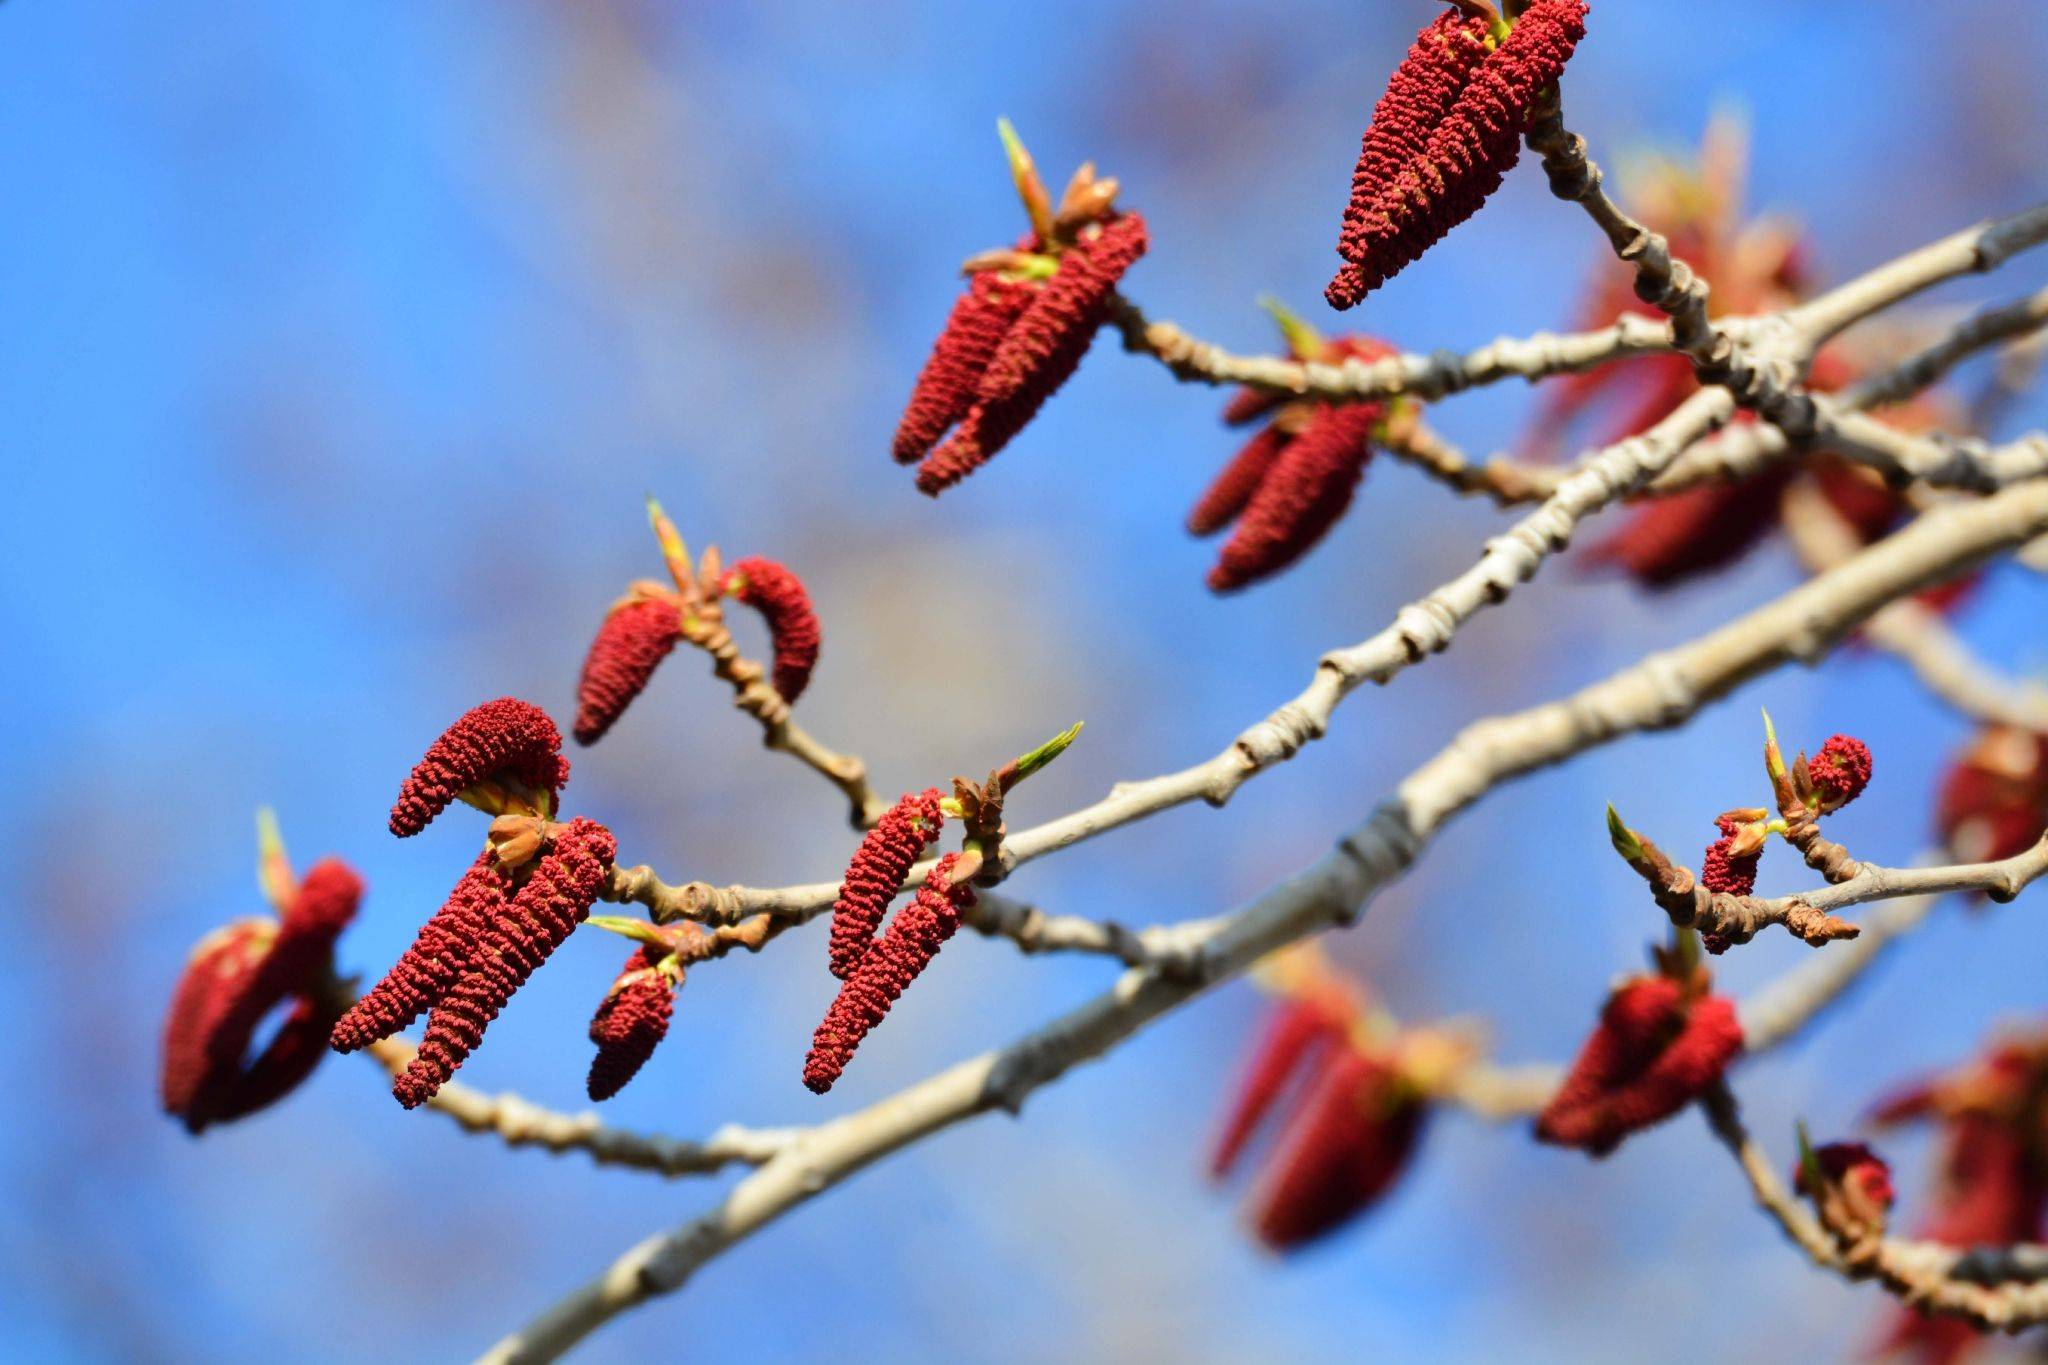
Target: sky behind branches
347	340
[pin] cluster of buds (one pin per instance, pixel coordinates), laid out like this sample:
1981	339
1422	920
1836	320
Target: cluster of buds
1991	1188
876	965
1020	331
520	900
644	625
1295	477
1662	1041
1850	1187
1447	131
1717	901
1993	801
241	972
1359	1091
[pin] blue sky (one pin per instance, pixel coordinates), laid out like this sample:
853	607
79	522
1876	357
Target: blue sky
347	341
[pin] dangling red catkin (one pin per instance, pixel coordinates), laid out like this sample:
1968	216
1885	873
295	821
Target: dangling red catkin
1041	351
1418	95
1469	151
538	919
876	872
1651	1054
1723	873
290	1056
631	643
793	628
425	971
1344	1147
945	387
1233	488
630	1022
213	975
1703	528
1297	1032
905	949
1303	494
506	738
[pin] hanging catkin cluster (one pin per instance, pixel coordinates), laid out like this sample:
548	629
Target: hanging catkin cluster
1658	1046
507	740
876	872
885	971
1454	116
1050	325
1289	484
549	904
634	638
235	977
426	969
632	1019
785	606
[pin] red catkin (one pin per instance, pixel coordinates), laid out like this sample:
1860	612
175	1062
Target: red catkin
1993	800
907	947
1701	529
1418	95
1041	351
235	977
1249	405
631	643
1294	1038
1651	1054
1226	497
1351	1138
1841	770
425	971
507	739
785	606
1723	873
1468	152
1305	491
876	873
537	920
630	1022
945	387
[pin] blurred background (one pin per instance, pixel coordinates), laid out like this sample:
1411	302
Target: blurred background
347	340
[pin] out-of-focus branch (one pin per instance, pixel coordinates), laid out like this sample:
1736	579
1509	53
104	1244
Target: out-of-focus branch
1660	691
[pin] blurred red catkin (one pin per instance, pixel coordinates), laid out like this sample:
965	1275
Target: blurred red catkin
1651	1054
1418	95
1343	1148
1706	527
631	643
1225	498
1306	489
1841	770
1993	801
1853	1165
1469	149
1040	352
905	949
1299	1029
537	920
945	387
425	971
876	873
630	1022
234	978
506	739
785	606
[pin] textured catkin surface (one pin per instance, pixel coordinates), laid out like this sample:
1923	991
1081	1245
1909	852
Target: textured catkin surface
785	606
506	738
630	644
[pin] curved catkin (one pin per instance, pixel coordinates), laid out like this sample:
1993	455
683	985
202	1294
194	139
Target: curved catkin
536	921
290	1056
631	643
216	969
507	738
1294	1037
630	1022
785	606
1302	496
1671	540
1227	495
876	873
913	939
1418	95
1351	1137
1468	152
1041	352
425	971
1651	1054
945	386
